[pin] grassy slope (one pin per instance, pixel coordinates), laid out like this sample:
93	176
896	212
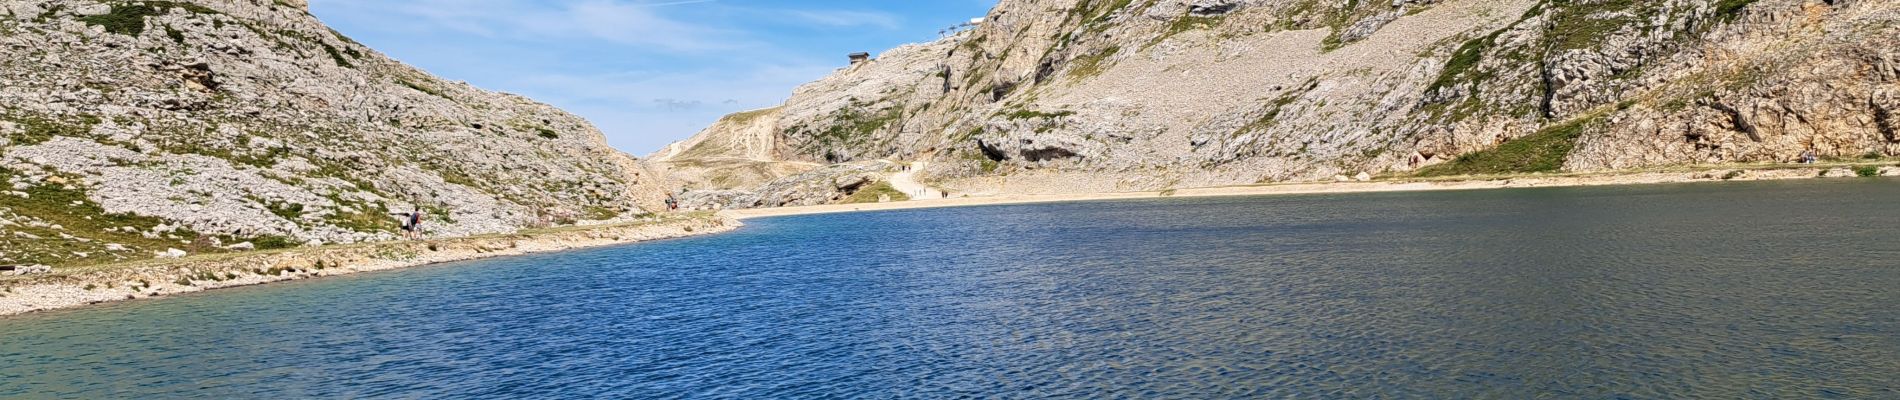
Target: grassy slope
870	194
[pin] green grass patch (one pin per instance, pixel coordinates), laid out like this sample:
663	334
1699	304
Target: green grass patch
124	19
70	208
286	210
1270	118
1869	171
598	213
1463	61
1097	11
855	125
39	129
336	56
1583	24
870	194
547	133
129	18
1090	65
363	221
746	117
1728	10
188	7
1033	114
425	89
1544	151
176	36
273	242
1191	22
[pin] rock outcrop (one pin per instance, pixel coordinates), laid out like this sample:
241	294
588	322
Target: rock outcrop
1092	95
128	128
741	150
826	185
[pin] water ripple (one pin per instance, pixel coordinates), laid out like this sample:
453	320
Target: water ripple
1762	290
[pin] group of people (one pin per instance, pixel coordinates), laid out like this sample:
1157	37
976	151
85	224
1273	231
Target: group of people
411	224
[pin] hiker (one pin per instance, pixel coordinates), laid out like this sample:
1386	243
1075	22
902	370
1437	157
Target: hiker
672	204
411	224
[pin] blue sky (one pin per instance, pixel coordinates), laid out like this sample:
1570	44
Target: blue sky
647	72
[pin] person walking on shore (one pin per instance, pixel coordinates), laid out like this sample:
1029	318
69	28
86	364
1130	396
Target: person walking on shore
411	224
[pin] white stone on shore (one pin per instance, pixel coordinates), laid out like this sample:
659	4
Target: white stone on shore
28	270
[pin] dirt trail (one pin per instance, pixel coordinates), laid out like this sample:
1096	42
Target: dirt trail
906	181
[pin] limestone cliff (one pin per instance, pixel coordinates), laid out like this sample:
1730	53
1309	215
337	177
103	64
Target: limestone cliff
1106	95
741	150
130	128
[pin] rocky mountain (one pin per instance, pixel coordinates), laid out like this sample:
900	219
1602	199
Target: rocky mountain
1112	95
740	150
135	128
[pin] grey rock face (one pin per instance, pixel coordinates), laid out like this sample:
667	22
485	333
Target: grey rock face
1180	93
820	186
248	119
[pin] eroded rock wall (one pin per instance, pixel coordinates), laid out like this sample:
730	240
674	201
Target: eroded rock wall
1132	95
131	127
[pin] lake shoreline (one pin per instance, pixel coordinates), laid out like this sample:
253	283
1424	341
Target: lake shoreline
83	286
1710	175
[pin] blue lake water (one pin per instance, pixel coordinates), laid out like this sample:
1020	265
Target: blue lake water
1746	290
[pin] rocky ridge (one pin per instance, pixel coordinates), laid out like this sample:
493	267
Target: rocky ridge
1051	96
830	184
741	150
134	129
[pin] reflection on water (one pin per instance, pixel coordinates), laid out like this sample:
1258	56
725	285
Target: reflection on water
1768	290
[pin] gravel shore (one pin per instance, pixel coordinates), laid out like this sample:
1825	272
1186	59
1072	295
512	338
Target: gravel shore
1005	195
80	286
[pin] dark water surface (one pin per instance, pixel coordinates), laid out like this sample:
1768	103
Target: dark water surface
1756	290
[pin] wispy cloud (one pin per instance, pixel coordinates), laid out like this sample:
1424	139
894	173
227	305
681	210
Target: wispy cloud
675	3
845	18
623	22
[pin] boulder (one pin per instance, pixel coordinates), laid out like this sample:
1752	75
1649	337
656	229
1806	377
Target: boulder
172	253
15	270
88	10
